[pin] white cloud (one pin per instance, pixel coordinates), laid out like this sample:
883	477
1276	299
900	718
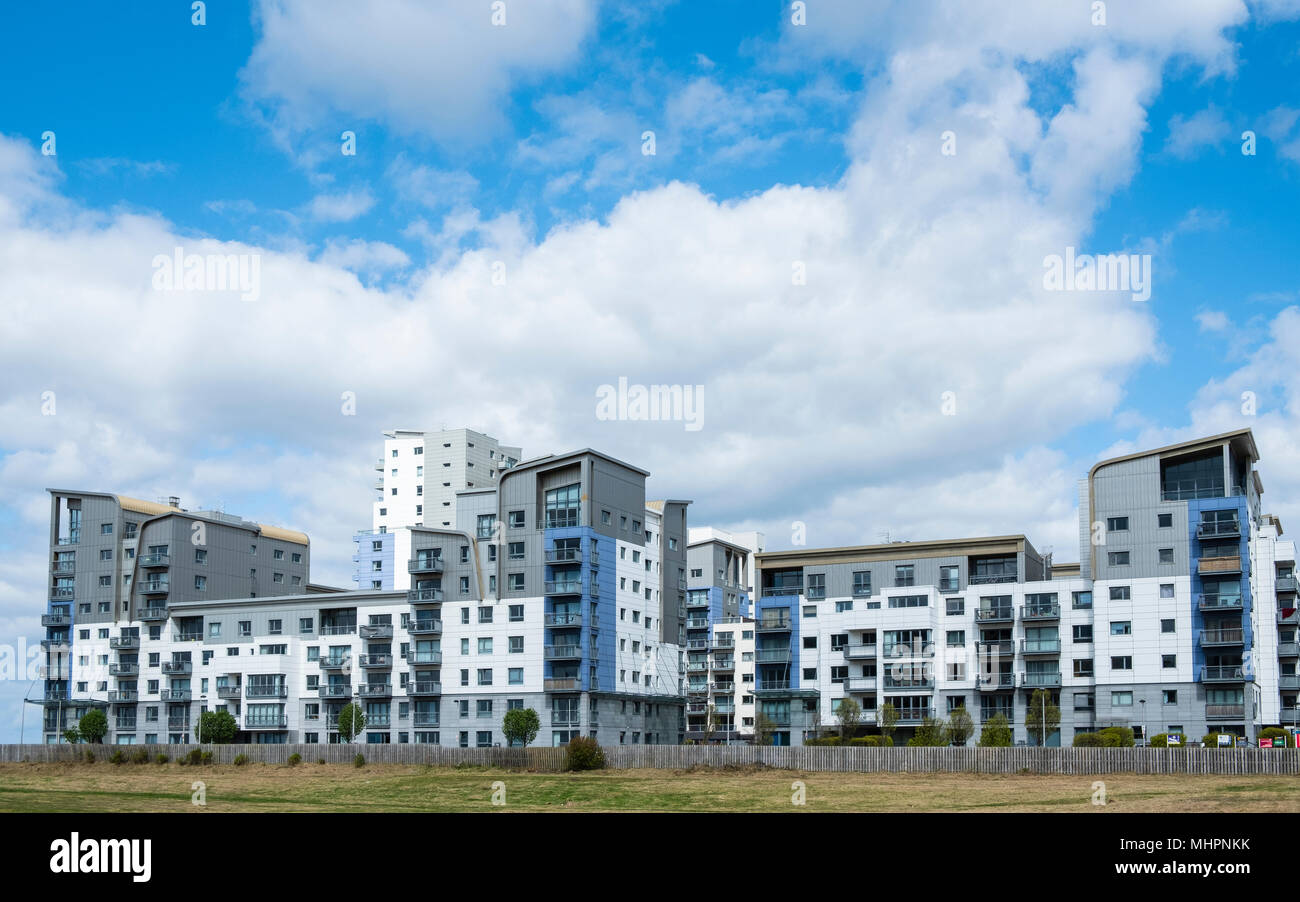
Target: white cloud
340	207
1188	135
363	256
1212	320
441	70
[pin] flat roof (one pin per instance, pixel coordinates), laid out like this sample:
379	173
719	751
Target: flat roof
1012	544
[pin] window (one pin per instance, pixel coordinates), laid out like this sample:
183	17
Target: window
1117	558
1121	627
955	606
245	628
1165	521
1117	524
1168	625
200	582
305	625
1119	593
956	637
1166	590
1081	600
861	583
949	578
485	614
516	613
516	676
1083	632
1166	555
1083	667
200	556
909	601
1169	696
1169	661
486	525
1121	699
515	551
515	582
516	519
1121	662
816	585
905	575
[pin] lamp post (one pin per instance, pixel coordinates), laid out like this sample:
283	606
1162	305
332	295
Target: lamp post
1143	711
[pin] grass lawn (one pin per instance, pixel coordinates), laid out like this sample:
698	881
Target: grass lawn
312	787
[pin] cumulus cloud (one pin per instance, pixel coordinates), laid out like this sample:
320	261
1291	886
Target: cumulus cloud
1188	135
340	207
1212	320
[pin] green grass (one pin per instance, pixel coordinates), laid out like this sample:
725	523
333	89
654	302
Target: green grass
104	787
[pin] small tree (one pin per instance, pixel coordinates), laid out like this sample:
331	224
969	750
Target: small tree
93	726
996	732
70	735
521	726
352	720
960	726
1043	717
850	715
217	726
931	732
888	718
763	729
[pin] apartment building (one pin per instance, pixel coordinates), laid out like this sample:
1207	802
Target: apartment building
719	641
416	483
1179	617
119	566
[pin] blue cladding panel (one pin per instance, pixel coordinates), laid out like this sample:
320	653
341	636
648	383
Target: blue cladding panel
1194	508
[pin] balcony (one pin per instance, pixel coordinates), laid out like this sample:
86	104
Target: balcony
56	621
424	596
1211	566
155	560
377	631
564	556
1285	619
989	580
1217	602
178	724
63	567
1288	649
424	565
1225	712
914	715
124	643
376	661
275	690
153	587
375	690
860	684
722	642
697	707
1000	614
1040	680
55	642
562	620
1227	636
153	613
563	652
120	670
893	684
795	590
994	682
563	587
266	722
424	719
327	692
336	662
187	637
697	623
424	626
177	667
122	696
723	687
724	665
1286	585
124	726
858	652
697	667
1228	674
1289	681
1190	489
229	691
61	593
1002	648
772	686
1218	529
1040	646
773	625
772	656
1289	716
176	695
1041	612
562	684
424	687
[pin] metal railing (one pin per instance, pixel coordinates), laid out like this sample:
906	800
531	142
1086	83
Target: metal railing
772	624
56	620
995	614
1214	601
561	684
1223	674
123	669
374	690
155	559
994	681
153	613
273	691
1040	680
563	587
1227	636
335	662
1040	646
424	596
772	655
564	555
855	652
424	687
124	643
424	565
338	629
424	626
1041	611
384	660
171	667
154	586
265	722
1217	529
176	695
1219	712
560	620
377	631
424	657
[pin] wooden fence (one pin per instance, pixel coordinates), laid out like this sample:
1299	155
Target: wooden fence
682	757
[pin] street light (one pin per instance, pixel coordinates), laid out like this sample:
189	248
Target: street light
1143	712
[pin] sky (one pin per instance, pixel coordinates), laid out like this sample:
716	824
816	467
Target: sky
834	217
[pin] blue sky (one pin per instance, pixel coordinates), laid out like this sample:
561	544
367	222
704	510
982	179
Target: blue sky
522	145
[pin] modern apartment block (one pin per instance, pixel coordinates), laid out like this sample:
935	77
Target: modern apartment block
416	483
1180	616
719	641
119	569
565	596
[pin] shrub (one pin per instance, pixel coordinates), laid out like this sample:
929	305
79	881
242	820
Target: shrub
320	760
1116	737
295	759
1211	740
193	758
583	753
140	756
996	732
359	760
241	759
1087	741
206	758
162	759
823	740
117	757
90	757
1161	741
871	741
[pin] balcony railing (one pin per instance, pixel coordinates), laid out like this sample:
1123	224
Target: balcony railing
857	652
124	726
424	596
176	695
1289	681
123	695
1040	680
998	614
861	684
1285	619
171	667
1040	646
697	623
1285	585
187	636
59	567
424	565
154	587
335	691
914	715
1225	674
229	691
424	657
156	559
772	656
338	629
991	682
276	690
424	687
336	662
724	664
563	587
562	620
772	686
1213	601
992	579
564	556
373	661
377	631
1041	612
266	722
1218	529
424	719
894	684
177	724
1003	648
782	591
56	620
563	652
153	613
561	684
424	626
1227	636
1190	489
123	670
1213	565
1224	712
773	625
1288	649
374	690
124	643
60	593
